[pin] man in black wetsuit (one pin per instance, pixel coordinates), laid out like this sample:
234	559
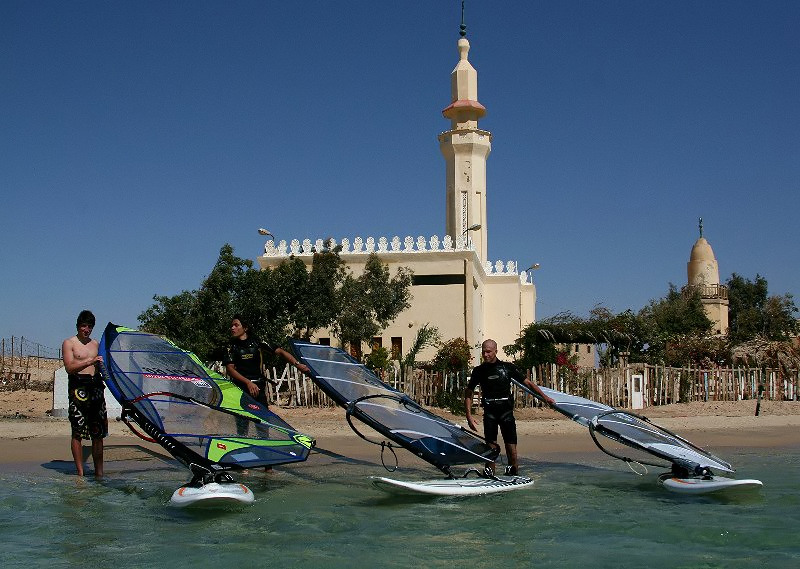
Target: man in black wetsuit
494	377
243	360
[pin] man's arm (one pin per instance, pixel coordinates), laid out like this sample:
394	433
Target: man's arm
535	388
468	395
292	360
248	385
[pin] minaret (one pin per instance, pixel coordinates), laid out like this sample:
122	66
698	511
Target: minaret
465	148
703	274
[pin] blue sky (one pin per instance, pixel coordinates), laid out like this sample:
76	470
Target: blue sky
136	138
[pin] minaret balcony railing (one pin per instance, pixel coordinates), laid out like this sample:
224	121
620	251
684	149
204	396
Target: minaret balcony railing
719	291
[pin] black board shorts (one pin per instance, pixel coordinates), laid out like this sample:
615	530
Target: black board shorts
499	415
87	407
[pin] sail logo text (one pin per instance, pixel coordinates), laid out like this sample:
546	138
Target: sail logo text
198	381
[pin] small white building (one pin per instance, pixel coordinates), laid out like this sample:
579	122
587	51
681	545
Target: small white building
455	288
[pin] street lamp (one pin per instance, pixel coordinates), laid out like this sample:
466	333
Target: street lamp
532	268
262	231
471	228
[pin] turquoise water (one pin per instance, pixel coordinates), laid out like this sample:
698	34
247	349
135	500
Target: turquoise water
326	513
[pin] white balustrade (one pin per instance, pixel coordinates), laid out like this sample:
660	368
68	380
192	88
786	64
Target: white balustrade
384	245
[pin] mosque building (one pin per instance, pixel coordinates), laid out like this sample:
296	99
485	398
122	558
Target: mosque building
703	275
455	286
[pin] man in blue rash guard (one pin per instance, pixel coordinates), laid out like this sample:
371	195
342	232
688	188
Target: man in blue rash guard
494	377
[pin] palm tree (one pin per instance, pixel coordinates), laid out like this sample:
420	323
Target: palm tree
427	335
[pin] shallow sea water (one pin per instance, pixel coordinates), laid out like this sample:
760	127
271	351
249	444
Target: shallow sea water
326	513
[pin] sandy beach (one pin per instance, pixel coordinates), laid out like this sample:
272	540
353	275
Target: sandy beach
31	438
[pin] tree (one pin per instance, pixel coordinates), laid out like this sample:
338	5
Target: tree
537	343
453	355
371	301
781	354
427	335
287	300
198	320
755	314
320	300
174	317
669	319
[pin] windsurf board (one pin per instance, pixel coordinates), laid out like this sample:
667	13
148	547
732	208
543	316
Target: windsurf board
454	486
212	494
706	485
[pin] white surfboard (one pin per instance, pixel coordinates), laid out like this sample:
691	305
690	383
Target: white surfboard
212	494
454	486
706	485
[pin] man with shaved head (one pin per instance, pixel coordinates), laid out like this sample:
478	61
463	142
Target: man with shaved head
494	377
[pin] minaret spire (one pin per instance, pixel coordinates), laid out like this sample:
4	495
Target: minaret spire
463	27
701	226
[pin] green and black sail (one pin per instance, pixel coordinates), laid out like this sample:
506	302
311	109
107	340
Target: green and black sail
203	419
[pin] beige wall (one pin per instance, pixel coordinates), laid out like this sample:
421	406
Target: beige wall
484	306
503	314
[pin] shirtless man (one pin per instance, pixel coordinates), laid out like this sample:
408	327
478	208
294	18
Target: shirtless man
87	405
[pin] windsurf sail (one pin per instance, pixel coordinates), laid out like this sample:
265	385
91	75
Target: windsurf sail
391	412
203	419
634	431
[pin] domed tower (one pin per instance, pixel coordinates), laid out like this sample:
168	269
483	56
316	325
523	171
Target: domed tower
703	273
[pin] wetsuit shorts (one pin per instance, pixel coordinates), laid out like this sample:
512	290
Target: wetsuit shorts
87	406
500	415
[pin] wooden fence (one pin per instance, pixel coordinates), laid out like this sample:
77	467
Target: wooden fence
660	385
630	386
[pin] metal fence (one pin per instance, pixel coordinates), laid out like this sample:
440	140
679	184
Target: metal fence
16	349
27	365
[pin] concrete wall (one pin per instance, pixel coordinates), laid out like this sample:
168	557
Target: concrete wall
61	402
